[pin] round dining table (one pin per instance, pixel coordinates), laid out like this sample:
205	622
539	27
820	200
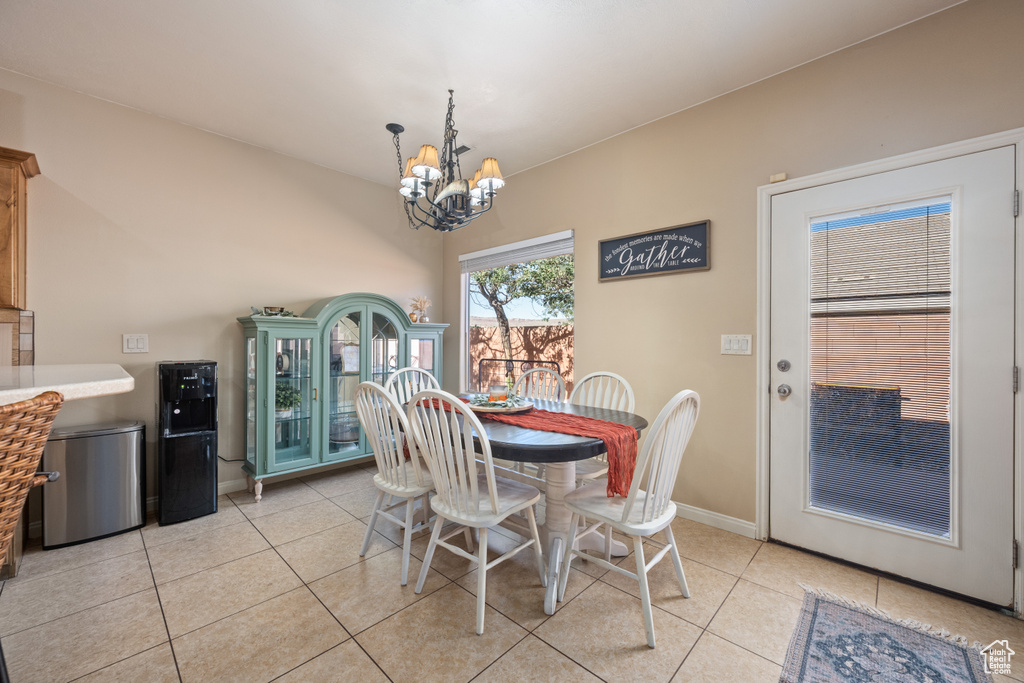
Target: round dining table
559	454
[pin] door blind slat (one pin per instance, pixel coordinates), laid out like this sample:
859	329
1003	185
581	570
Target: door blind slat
880	367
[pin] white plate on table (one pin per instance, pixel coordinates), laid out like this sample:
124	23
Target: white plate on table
497	409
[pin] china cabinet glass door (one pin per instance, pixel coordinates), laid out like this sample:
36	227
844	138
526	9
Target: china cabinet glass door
292	393
421	355
251	410
343	379
384	348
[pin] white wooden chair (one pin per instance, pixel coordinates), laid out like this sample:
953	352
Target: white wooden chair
468	492
384	423
643	512
540	383
601	390
402	384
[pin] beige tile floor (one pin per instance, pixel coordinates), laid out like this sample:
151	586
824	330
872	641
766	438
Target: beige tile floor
276	590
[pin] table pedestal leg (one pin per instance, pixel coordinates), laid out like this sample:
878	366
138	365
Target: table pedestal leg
559	479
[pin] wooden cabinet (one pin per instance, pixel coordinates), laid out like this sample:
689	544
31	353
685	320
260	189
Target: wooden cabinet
15	170
302	374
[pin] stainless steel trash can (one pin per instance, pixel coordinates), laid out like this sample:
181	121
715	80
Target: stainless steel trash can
101	489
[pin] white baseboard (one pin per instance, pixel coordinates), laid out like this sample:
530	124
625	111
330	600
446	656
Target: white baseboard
717	520
225	487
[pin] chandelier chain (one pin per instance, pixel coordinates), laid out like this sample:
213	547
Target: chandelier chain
401	172
449	157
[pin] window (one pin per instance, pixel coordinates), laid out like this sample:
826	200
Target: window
880	366
517	309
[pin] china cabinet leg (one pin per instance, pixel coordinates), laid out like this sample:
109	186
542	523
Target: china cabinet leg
258	490
249	483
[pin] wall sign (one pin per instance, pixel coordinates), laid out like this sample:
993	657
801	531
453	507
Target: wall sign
670	250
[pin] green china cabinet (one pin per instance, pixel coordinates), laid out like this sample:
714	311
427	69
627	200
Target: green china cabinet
301	376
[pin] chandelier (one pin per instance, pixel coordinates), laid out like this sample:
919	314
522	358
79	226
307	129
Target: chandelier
436	195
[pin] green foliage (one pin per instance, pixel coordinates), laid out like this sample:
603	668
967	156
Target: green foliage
548	281
286	396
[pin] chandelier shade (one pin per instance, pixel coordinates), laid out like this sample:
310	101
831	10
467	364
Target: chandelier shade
426	165
436	195
409	178
490	174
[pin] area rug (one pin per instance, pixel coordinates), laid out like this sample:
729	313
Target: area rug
840	641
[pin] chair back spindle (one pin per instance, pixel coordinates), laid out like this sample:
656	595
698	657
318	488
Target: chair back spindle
541	383
604	390
384	423
402	384
662	452
446	441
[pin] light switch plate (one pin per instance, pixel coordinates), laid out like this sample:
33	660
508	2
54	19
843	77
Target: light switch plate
737	345
134	343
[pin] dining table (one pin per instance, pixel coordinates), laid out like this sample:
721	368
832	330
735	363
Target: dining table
558	453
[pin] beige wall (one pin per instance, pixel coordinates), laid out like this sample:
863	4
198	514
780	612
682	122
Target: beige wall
140	225
952	76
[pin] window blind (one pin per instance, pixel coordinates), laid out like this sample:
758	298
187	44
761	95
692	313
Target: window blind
880	367
546	246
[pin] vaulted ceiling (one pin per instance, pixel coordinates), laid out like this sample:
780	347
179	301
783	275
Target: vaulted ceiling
533	79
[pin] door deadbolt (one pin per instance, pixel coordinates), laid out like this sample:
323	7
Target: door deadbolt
783	366
784	390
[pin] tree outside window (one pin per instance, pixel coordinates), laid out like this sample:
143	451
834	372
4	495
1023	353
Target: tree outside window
530	306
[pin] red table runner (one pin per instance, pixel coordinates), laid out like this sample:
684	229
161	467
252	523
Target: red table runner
619	439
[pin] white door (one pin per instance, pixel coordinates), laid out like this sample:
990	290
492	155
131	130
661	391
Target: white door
892	300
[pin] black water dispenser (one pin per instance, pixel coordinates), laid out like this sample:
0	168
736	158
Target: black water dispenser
187	440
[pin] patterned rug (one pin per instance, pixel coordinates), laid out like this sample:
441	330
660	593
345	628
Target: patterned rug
837	640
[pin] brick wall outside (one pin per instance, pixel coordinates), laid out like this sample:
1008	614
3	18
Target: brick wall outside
540	342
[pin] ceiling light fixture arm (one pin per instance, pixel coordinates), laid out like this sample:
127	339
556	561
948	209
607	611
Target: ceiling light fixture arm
436	195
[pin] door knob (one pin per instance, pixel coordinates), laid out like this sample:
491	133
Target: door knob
784	390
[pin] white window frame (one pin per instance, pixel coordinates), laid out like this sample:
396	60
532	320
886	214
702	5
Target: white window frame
533	249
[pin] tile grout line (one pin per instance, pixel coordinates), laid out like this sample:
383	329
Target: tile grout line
351	636
499	657
213	566
723	638
703	632
75	568
555	648
746	649
319	654
399	611
103	668
171	640
160	603
80	611
85	609
145	549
